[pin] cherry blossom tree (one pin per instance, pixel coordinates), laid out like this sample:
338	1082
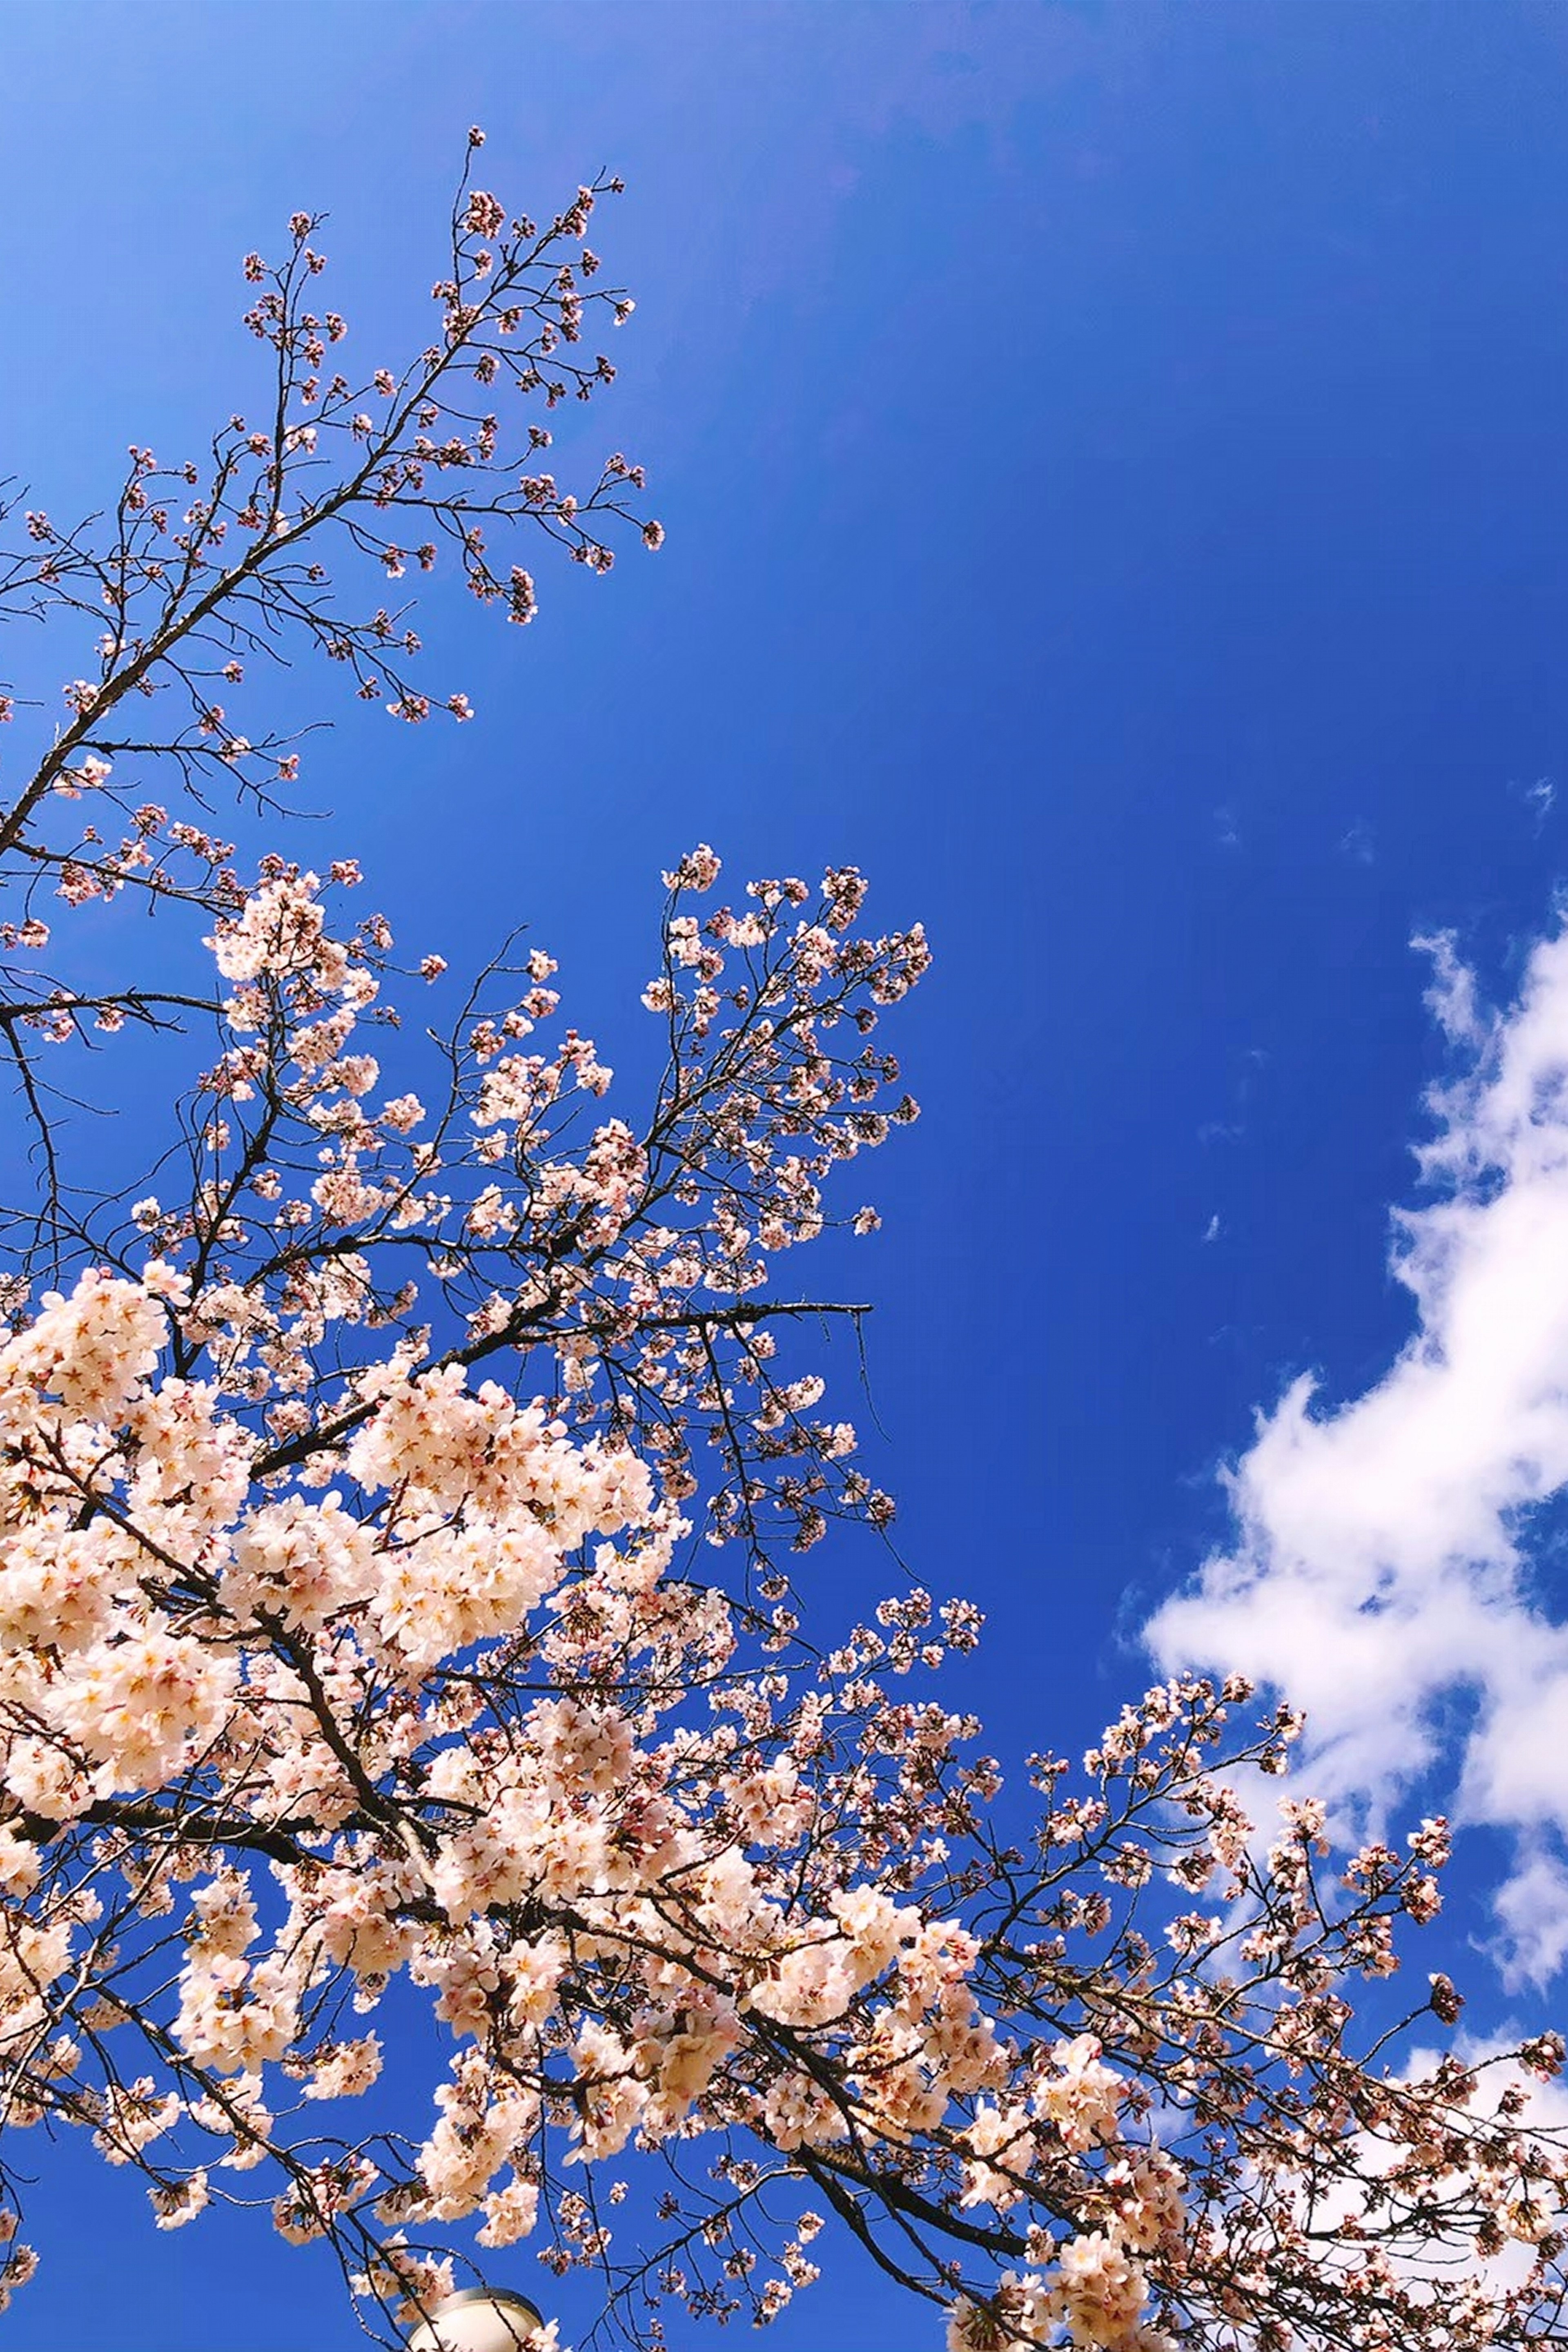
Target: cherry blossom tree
406	1488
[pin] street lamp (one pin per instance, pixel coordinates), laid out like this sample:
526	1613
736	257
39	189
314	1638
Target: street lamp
479	2319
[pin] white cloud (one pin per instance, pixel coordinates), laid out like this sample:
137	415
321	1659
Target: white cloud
1381	1566
1532	1912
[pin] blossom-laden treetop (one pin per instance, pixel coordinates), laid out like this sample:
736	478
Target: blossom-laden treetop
406	1489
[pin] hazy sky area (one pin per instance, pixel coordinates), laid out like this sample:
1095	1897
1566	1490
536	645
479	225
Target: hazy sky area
1114	458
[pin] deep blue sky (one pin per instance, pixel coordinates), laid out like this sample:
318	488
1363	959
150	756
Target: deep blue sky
1113	459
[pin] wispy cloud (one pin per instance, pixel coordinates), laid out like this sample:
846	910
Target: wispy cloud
1539	797
1386	1566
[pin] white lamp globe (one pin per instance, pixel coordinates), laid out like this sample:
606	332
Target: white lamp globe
479	2319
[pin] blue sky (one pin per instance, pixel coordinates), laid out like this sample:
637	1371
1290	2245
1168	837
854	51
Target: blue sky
1113	459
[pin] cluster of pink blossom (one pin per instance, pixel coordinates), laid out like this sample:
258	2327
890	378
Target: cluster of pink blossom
271	1663
249	1579
443	1706
347	1637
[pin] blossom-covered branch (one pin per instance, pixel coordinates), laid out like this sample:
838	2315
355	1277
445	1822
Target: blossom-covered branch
199	572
